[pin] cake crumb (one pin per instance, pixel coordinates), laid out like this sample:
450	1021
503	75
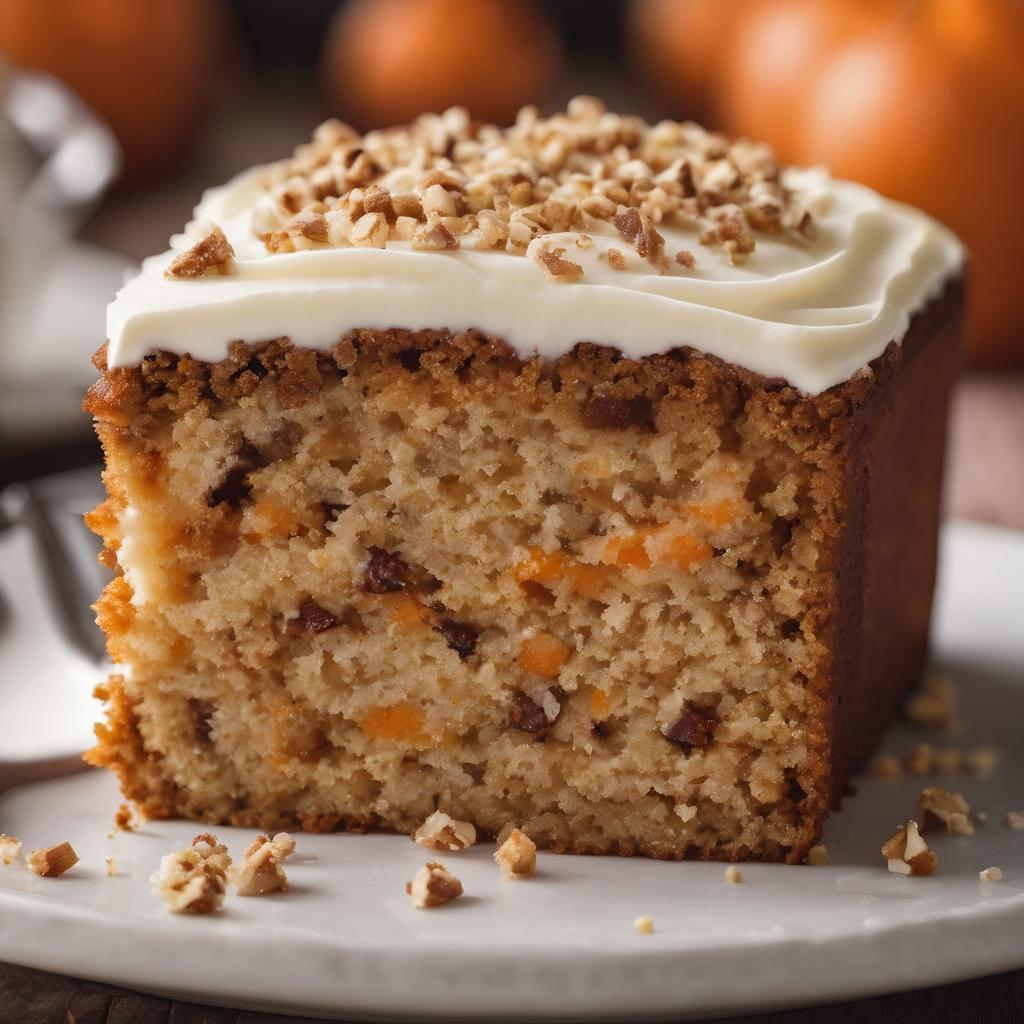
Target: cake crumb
441	832
517	855
733	875
920	760
990	874
192	880
944	807
981	817
1015	820
818	855
111	863
433	885
886	766
52	861
643	924
934	704
125	819
906	853
260	871
10	848
981	762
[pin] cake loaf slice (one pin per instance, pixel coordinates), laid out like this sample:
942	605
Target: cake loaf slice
582	474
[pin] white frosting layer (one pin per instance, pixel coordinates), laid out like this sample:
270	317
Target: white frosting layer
812	311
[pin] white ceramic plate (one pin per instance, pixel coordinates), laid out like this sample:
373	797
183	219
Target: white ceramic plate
345	941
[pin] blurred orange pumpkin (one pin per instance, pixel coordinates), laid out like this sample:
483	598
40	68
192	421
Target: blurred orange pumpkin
385	61
144	67
924	102
676	48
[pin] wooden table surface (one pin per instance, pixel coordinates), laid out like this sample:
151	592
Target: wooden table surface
985	481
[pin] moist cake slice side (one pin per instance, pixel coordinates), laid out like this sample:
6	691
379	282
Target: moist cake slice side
633	597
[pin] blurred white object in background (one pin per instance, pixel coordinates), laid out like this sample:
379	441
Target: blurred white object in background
56	159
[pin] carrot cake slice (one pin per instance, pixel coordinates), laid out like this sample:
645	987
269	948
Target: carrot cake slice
582	474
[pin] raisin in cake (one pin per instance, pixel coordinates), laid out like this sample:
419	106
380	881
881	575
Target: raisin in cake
582	474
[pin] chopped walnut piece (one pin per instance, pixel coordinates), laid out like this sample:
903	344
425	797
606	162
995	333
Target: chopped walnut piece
906	853
733	875
433	885
616	260
694	729
643	925
434	237
637	226
934	704
942	807
371	231
818	855
111	864
516	855
730	235
52	861
192	880
686	259
10	848
1015	820
441	832
990	875
556	266
886	766
261	870
213	252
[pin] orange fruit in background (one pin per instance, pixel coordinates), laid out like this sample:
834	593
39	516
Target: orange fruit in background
144	67
924	102
385	61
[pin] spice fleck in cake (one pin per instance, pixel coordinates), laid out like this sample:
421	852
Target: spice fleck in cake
582	474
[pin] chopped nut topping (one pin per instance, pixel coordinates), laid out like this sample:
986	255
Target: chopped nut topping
934	704
1015	820
943	807
686	259
906	853
643	925
193	880
440	832
213	252
433	885
733	875
260	871
990	874
10	848
111	863
516	855
818	855
556	266
52	861
694	729
730	235
615	259
434	237
885	766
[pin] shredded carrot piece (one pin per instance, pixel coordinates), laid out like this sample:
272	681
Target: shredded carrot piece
397	722
543	654
600	704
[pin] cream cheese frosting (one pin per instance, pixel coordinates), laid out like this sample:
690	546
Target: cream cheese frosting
811	310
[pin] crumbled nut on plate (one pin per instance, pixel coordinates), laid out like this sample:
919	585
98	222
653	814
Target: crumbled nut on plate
193	880
906	853
934	704
433	885
517	854
111	866
644	925
944	807
260	871
886	766
818	855
1015	820
733	875
921	760
10	848
991	874
52	861
441	832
